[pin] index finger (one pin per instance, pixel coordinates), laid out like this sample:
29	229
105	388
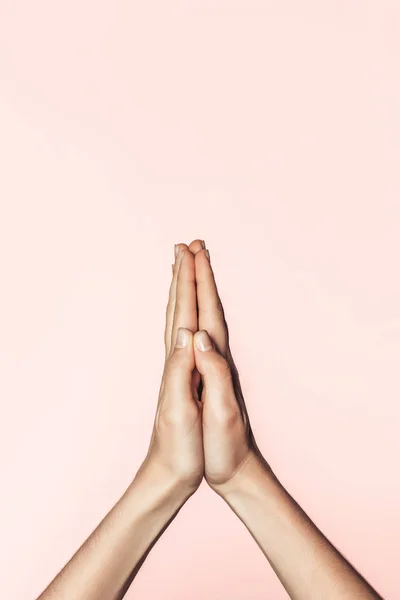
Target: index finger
210	311
185	311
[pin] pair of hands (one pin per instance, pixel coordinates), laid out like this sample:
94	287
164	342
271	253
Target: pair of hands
202	429
201	426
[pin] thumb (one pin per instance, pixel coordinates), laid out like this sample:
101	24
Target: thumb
215	372
180	364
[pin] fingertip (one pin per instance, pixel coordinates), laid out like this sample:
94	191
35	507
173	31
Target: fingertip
196	246
185	254
202	257
179	249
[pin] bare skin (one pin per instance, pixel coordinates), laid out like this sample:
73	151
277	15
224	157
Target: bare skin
307	564
201	429
106	564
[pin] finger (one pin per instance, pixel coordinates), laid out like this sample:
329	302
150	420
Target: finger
218	388
185	311
179	368
210	311
196	246
171	300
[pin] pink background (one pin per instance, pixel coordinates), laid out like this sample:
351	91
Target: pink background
270	129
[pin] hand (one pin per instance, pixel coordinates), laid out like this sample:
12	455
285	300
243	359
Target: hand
212	435
176	446
228	440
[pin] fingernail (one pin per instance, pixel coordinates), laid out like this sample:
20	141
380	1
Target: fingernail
182	338
203	341
176	249
203	244
207	253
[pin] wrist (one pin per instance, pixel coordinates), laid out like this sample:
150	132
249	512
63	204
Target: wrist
158	488
252	474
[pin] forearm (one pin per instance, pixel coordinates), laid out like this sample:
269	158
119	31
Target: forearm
105	565
307	564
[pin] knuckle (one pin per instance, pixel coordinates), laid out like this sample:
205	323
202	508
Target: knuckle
177	416
178	357
229	417
222	369
177	361
171	417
